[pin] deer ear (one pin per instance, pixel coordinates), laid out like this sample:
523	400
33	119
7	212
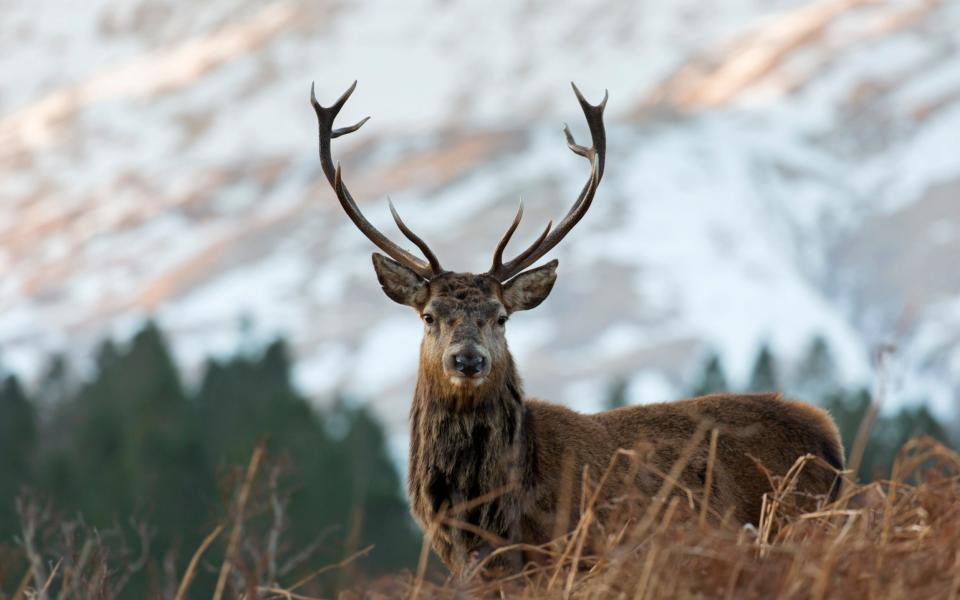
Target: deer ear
530	288
400	283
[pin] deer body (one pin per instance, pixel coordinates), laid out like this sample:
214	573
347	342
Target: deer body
488	466
447	470
528	455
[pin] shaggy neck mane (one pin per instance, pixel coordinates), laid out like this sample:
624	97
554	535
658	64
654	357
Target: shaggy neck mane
479	420
467	442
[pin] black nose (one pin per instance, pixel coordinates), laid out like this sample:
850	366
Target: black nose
468	363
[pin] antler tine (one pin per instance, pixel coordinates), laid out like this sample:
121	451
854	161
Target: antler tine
502	244
536	243
325	118
329	114
596	154
431	257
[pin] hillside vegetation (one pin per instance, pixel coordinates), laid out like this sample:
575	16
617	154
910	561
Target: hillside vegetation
127	482
897	538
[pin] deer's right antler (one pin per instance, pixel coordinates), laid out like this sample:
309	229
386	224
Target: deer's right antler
595	153
325	118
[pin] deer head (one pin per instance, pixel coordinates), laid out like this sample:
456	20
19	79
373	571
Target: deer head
464	314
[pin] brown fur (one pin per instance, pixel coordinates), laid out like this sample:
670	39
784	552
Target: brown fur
473	440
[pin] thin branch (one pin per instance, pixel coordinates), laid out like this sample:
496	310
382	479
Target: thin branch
192	567
234	541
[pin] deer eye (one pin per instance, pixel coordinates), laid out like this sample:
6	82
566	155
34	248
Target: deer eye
502	320
427	318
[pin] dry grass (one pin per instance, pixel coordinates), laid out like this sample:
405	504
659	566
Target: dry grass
891	539
898	538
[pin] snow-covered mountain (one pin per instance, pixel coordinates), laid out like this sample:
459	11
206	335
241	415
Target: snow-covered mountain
775	170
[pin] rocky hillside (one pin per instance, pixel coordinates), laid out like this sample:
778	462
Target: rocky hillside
775	170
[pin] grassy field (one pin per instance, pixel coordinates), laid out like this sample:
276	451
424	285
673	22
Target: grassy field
897	538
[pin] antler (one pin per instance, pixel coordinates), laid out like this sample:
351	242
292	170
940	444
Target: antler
325	118
547	240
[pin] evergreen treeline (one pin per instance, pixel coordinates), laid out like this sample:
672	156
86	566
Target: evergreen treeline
134	441
815	381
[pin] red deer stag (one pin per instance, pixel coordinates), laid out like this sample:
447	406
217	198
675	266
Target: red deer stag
475	434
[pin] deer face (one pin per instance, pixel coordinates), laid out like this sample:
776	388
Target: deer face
464	316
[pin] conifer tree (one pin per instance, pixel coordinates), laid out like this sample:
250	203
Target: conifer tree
816	375
617	394
889	432
129	445
372	489
56	384
249	399
18	437
713	380
763	377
